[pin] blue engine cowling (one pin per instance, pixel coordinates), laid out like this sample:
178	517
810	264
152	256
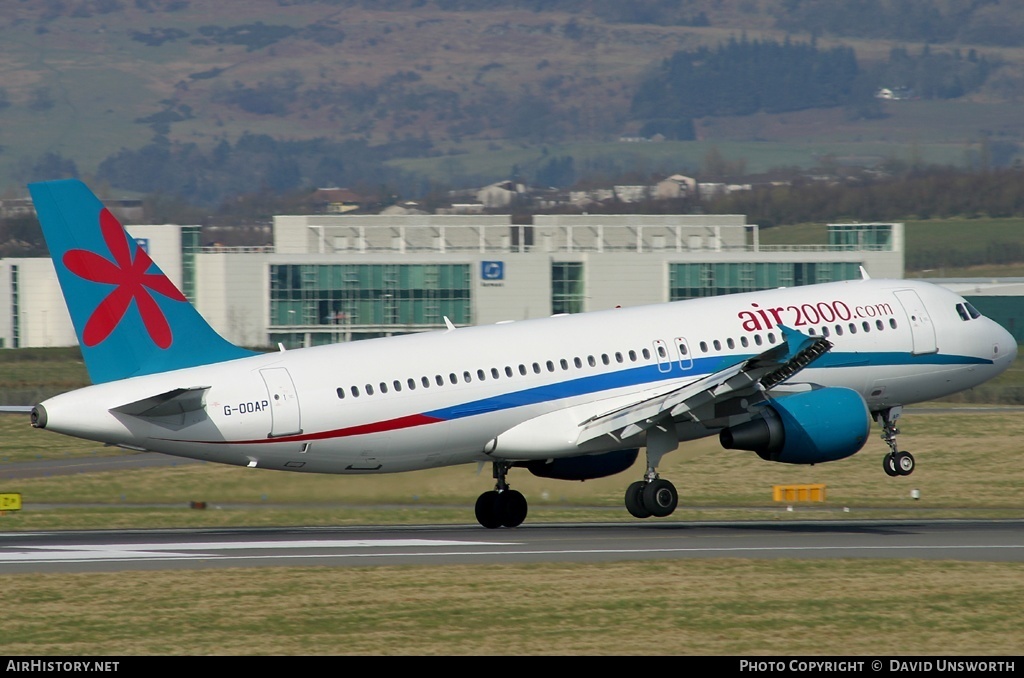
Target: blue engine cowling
586	467
805	428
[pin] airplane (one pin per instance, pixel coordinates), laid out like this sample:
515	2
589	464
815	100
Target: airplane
795	375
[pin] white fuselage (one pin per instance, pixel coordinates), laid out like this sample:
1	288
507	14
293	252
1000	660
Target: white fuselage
442	398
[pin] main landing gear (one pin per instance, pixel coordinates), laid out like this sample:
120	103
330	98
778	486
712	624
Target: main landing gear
501	507
654	496
896	462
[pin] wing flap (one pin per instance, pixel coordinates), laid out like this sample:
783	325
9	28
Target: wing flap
752	376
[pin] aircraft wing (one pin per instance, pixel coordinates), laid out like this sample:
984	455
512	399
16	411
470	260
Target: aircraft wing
749	377
175	401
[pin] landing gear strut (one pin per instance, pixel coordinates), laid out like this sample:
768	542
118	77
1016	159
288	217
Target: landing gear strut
896	462
654	496
501	507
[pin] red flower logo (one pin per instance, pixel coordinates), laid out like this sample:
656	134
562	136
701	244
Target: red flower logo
132	282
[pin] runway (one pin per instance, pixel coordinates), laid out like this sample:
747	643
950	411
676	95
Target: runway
107	551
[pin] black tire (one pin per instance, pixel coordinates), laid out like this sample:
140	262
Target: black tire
635	500
487	510
660	498
512	508
889	466
903	462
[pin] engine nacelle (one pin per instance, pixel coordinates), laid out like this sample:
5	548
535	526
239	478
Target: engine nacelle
805	428
586	467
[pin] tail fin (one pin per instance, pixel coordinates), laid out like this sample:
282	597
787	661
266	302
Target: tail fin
129	318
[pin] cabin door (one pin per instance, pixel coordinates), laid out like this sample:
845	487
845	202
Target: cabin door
284	402
922	330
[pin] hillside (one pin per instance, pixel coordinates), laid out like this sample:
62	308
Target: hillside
448	93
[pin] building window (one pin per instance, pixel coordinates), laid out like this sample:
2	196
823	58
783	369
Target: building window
338	302
567	287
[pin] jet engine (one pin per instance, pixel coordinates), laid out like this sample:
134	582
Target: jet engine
804	428
586	467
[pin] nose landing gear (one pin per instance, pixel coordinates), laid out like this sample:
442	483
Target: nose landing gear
895	462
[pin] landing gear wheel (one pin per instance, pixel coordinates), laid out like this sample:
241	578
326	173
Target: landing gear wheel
635	500
903	463
660	498
889	466
487	510
512	507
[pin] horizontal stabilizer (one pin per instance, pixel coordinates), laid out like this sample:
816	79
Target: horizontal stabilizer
175	401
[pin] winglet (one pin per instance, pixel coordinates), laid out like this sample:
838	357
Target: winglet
129	318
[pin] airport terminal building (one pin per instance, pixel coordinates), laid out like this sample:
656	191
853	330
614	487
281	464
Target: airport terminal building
343	277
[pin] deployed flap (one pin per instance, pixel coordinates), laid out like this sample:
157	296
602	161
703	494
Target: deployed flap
175	401
754	375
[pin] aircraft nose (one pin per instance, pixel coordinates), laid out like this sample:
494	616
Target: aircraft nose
1004	347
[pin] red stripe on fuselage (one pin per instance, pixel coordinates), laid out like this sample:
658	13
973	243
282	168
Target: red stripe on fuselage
409	421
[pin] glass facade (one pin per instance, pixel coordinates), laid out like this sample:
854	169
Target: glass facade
567	287
190	244
15	319
687	281
870	237
367	299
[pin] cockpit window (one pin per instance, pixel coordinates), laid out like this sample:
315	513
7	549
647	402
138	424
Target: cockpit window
967	312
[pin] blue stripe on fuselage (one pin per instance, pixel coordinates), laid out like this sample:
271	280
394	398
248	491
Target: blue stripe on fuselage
650	375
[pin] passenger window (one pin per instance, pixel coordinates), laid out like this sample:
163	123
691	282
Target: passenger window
522	369
355	391
494	373
412	384
661	352
703	347
632	356
878	325
717	344
550	365
865	326
758	340
452	377
771	337
618	357
369	389
591	361
439	379
892	323
564	363
536	368
605	359
825	332
508	371
577	362
398	386
383	387
481	375
341	393
839	330
467	377
730	343
744	342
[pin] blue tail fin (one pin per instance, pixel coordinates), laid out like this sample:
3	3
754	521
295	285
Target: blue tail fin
129	318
